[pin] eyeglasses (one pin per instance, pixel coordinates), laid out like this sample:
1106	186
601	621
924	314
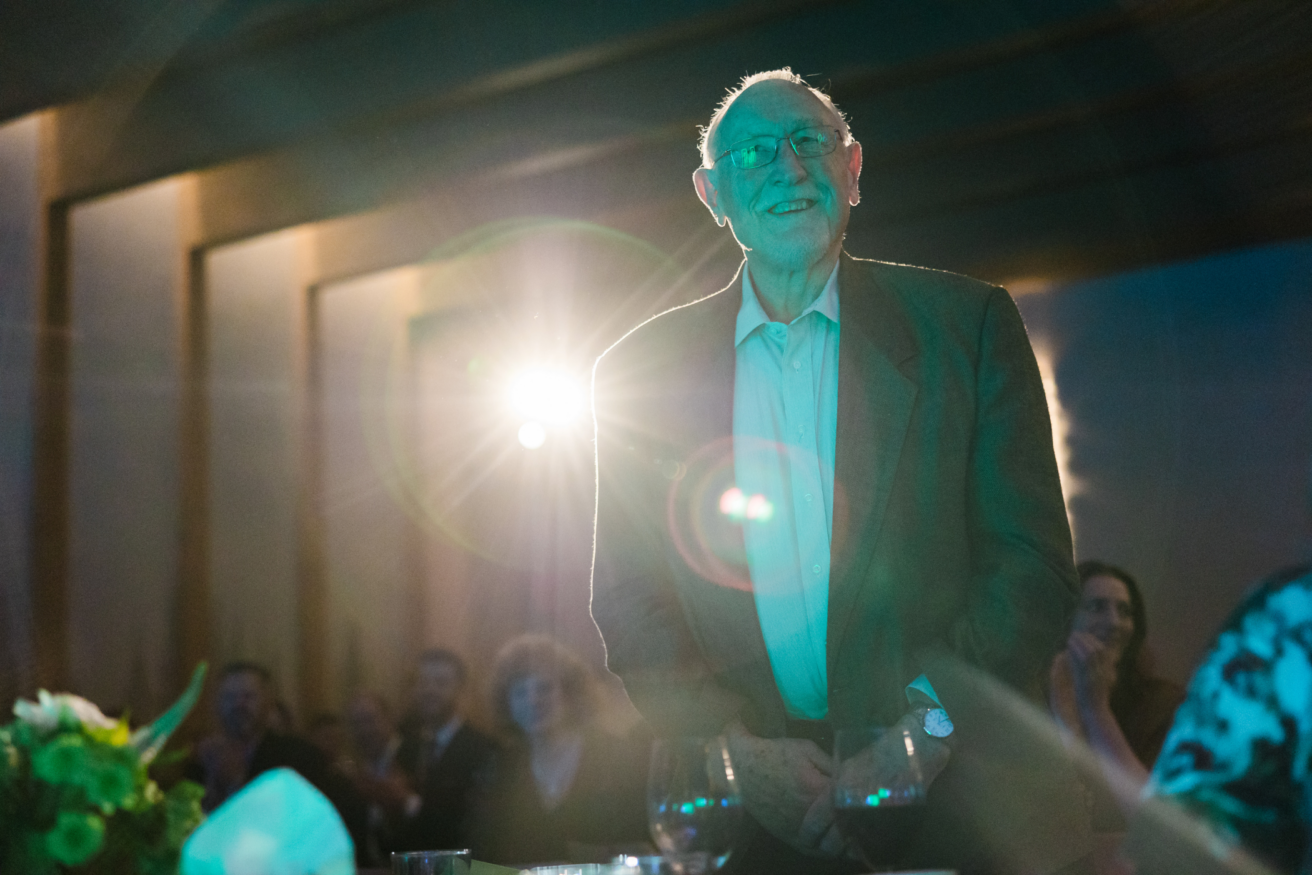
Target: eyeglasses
759	151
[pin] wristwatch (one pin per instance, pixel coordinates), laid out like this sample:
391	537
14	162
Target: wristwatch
937	723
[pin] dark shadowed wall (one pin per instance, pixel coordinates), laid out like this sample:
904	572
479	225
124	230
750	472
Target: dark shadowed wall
1186	392
20	229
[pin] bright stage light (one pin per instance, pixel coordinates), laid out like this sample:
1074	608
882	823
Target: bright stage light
532	435
547	396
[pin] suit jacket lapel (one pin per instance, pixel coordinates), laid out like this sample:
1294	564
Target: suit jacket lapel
709	369
875	400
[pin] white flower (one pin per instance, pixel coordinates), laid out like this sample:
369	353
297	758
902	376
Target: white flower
45	713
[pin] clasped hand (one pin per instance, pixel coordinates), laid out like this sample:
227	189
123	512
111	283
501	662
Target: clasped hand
1092	665
787	784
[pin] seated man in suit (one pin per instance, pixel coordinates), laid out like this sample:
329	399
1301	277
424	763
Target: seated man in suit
796	535
392	798
444	756
247	746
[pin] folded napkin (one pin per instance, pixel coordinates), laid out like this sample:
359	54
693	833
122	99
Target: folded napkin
277	824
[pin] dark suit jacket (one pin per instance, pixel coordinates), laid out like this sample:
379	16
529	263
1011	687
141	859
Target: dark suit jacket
605	807
277	751
447	787
951	552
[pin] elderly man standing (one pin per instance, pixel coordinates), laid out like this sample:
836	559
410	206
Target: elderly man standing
827	497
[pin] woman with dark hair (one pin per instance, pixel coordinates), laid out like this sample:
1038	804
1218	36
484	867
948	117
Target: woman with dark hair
1101	689
564	789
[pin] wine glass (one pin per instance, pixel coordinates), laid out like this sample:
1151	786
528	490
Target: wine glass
693	805
879	792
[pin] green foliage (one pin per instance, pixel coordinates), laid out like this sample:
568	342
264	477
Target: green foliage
61	761
75	791
76	837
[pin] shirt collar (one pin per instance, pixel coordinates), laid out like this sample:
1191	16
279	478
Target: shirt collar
383	764
444	735
751	314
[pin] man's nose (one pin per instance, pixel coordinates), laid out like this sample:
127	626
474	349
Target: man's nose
789	165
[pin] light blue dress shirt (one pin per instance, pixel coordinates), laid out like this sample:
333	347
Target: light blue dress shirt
785	426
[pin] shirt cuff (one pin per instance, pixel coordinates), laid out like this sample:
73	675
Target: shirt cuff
921	692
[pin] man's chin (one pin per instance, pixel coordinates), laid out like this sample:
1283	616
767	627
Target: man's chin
791	255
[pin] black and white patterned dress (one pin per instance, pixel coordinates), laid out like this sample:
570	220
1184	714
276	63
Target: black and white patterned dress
1238	754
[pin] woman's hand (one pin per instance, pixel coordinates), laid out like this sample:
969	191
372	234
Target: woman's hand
1093	670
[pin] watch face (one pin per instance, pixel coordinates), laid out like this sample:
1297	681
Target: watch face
938	723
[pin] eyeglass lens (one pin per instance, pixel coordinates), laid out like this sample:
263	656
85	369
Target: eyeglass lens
806	143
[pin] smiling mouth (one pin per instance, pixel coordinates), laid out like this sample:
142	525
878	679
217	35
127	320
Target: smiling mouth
786	207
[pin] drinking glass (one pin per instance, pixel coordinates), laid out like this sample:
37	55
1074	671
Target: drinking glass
879	792
431	863
694	808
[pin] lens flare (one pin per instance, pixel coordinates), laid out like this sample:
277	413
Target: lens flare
738	506
733	503
532	435
759	508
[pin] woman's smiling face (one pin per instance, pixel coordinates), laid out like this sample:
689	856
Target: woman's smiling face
537	704
1105	612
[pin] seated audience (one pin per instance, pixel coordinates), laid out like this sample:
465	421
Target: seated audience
441	753
372	765
327	733
1100	686
1232	789
247	746
563	789
1102	692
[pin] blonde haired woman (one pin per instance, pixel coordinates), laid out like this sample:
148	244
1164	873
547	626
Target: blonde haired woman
564	789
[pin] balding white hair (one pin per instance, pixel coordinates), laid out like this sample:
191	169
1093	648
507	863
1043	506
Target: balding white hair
783	74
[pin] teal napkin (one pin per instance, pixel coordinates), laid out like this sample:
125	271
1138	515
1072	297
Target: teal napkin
277	824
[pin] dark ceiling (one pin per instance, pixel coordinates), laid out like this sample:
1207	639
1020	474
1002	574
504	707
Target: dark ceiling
1009	138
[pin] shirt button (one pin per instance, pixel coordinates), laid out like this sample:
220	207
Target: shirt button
815	568
807	497
797	365
801	429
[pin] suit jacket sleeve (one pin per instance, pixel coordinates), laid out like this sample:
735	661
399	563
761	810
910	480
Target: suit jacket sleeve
635	602
1024	584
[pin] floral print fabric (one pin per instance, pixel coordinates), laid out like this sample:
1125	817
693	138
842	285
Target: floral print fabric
1238	753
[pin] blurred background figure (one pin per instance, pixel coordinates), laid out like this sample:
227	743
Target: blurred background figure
246	746
1103	692
1232	790
280	717
563	788
441	753
327	732
373	746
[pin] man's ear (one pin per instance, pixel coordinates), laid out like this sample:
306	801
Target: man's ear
854	170
701	180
